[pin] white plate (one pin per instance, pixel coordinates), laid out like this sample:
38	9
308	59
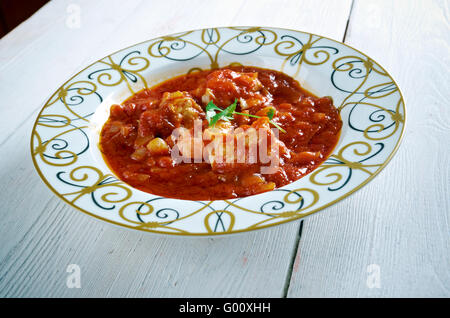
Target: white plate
64	142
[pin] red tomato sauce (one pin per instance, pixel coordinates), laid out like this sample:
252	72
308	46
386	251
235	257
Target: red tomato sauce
137	140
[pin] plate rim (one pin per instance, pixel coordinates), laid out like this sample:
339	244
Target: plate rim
238	231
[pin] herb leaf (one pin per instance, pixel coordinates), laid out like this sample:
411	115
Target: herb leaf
212	106
270	113
211	111
228	113
225	114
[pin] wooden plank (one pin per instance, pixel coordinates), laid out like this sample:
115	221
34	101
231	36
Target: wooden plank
400	221
41	235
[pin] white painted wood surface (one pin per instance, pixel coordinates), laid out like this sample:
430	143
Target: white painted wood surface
400	221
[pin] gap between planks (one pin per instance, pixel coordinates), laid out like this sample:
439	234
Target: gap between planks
296	250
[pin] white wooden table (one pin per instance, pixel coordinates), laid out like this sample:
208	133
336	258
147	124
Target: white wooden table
390	239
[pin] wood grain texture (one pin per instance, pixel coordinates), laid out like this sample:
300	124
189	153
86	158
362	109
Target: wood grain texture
400	221
41	235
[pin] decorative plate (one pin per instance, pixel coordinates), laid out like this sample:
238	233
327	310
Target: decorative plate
64	141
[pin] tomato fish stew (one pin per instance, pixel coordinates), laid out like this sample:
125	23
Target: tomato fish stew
150	141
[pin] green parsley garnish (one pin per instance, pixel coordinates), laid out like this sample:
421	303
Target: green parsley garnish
214	114
225	114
